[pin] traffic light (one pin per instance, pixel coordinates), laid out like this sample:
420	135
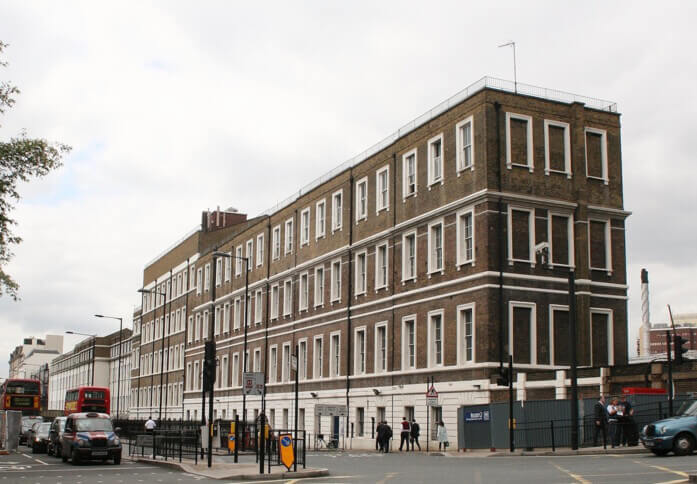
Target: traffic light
503	379
678	347
209	366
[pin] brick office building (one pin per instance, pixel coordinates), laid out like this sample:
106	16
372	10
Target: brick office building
440	251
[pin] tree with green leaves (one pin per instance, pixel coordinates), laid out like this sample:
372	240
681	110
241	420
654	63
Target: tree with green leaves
21	158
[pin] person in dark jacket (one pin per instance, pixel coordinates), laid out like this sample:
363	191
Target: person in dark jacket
379	435
600	418
415	430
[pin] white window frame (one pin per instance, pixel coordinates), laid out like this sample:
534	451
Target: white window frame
275	301
378	269
379	205
218	271
610	335
432	268
302	359
224	373
320	222
569	235
318	299
317	358
530	163
304	291
337	216
228	267
287	298
432	180
238	261
406	364
550	314
405	257
207	277
260	250
258	305
334	372
273	364
377	364
335	297
462	258
461	342
405	177
237	316
358	358
603	152
608	245
460	147
286	356
256	360
249	253
531	234
533	328
305	227
361	208
567	147
199	281
276	242
236	365
361	286
431	341
288	236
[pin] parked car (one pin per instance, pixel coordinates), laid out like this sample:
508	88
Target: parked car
90	436
677	434
27	423
55	435
40	439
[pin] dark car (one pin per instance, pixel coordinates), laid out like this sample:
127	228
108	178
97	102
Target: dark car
89	436
677	434
27	423
31	433
55	435
40	438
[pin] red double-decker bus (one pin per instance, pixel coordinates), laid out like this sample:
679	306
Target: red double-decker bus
21	394
87	399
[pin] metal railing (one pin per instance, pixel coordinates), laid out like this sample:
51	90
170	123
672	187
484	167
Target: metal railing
166	444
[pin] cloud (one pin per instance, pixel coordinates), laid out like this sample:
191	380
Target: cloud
173	108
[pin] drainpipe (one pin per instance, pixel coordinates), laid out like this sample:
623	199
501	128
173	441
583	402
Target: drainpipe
348	298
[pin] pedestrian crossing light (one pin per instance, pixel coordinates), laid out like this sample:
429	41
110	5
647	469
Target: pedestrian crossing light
679	348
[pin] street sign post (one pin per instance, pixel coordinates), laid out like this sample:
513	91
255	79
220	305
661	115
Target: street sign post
253	383
432	397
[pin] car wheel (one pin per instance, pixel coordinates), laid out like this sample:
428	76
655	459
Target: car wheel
660	452
683	444
117	459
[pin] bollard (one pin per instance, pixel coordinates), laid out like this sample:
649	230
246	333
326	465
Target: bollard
551	424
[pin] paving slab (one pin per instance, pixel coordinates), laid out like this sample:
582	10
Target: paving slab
240	471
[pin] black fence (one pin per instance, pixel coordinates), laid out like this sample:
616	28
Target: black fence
131	428
246	438
166	444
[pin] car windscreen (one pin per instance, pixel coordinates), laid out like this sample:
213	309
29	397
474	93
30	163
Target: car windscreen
688	408
44	429
29	422
94	425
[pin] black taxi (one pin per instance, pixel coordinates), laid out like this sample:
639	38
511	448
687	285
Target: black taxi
90	436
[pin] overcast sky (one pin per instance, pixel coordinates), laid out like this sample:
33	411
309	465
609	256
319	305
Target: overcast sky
173	108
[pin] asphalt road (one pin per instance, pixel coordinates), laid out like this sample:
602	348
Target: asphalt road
370	467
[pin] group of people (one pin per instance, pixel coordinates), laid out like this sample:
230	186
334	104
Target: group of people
409	435
617	419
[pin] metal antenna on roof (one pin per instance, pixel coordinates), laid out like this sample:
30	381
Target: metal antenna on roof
515	75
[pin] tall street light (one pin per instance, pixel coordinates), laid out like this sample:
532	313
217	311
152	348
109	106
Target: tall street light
152	357
118	382
94	356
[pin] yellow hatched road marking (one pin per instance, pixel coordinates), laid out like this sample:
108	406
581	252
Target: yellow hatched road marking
664	469
576	477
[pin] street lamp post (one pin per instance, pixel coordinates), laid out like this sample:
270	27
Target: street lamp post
152	357
94	348
118	382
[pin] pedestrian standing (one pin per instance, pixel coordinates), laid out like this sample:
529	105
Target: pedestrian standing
600	417
380	436
442	436
612	419
406	432
415	430
388	436
150	425
629	430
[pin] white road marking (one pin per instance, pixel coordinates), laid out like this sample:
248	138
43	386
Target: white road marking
41	462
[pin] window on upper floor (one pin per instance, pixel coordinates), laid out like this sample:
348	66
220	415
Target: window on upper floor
302	360
258	306
320	219
273	364
382	189
560	235
359	352
522	332
337	210
304	291
249	253
464	144
435	338
228	267
285	363
521	235
317	358
305	227
600	253
336	280
519	149
381	348
596	154
238	313
274	301
435	160
335	355
288	236
557	147
276	242
260	250
381	265
465	315
226	318
362	199
319	286
361	272
288	297
207	277
199	281
435	247
218	271
409	256
409	182
465	237
409	342
238	261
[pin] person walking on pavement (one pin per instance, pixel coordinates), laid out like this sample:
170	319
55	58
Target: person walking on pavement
378	439
600	417
150	425
442	436
612	419
415	429
406	432
388	436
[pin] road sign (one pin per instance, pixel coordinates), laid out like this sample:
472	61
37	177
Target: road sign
294	362
432	397
322	410
253	383
287	454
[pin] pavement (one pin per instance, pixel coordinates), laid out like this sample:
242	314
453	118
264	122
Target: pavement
548	452
232	471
